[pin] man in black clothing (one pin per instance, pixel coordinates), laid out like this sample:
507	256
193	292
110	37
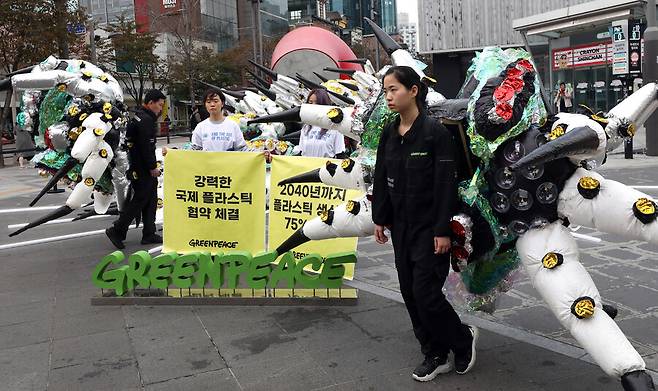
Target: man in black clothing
143	173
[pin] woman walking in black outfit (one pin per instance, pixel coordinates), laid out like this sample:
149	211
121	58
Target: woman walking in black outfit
415	195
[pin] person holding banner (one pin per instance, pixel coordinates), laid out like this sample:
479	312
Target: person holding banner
317	142
217	133
415	195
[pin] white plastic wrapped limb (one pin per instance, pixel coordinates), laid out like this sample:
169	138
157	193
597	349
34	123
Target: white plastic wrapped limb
550	256
344	176
329	117
353	219
102	202
91	137
92	170
575	121
610	208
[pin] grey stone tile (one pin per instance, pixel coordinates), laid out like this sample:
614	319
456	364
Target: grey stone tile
183	359
621	254
256	346
174	332
383	321
327	334
593	382
215	380
24	368
108	373
291	316
651	362
14	314
368	301
90	348
234	321
98	320
634	296
20	297
538	319
27	333
642	329
139	316
284	373
71	306
363	359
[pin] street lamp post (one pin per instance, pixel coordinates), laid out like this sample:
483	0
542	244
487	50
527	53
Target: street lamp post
650	73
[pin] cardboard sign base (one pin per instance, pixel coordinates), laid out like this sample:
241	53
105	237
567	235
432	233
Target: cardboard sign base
240	296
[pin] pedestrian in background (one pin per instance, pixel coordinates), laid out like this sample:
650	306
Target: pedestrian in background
563	99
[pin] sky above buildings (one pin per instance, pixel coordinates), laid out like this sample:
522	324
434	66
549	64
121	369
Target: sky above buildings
410	7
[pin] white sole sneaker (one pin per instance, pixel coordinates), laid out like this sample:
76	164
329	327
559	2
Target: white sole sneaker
445	368
475	332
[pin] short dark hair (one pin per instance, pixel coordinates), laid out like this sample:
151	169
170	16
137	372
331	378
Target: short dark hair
153	96
211	92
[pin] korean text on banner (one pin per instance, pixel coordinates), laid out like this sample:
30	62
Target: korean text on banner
214	202
293	204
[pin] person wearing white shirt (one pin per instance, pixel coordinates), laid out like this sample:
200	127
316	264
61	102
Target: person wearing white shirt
317	142
217	133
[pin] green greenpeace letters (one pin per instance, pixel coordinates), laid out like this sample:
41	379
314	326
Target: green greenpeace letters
199	270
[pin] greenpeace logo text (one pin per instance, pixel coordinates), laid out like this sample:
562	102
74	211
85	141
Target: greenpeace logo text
212	243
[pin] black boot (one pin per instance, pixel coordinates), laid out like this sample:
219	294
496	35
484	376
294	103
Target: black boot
637	381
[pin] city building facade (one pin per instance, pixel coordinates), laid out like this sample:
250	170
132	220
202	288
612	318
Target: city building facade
571	41
408	32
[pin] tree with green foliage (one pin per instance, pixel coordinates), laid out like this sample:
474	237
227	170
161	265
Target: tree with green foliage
130	57
33	30
205	65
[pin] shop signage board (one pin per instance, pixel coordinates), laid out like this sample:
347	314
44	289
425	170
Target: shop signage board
582	56
620	47
636	30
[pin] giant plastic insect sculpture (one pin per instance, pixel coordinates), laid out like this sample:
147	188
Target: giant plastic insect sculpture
533	178
80	120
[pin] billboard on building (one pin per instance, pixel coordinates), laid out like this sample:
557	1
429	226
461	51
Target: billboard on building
636	30
167	6
620	47
582	56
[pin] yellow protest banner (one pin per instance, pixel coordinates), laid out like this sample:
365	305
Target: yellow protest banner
214	201
293	204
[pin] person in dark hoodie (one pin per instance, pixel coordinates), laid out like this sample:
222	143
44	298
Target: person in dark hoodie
415	195
143	172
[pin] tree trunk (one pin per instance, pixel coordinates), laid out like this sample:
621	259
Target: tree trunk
62	42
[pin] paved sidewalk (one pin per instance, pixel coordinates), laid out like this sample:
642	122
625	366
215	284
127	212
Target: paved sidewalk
52	338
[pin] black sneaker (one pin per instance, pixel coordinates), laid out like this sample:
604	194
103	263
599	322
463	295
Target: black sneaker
431	367
465	359
152	239
114	238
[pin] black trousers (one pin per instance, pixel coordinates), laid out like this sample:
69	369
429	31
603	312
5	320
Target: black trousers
422	274
144	201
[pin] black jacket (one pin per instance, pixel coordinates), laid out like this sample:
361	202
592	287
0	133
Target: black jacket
415	178
140	140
